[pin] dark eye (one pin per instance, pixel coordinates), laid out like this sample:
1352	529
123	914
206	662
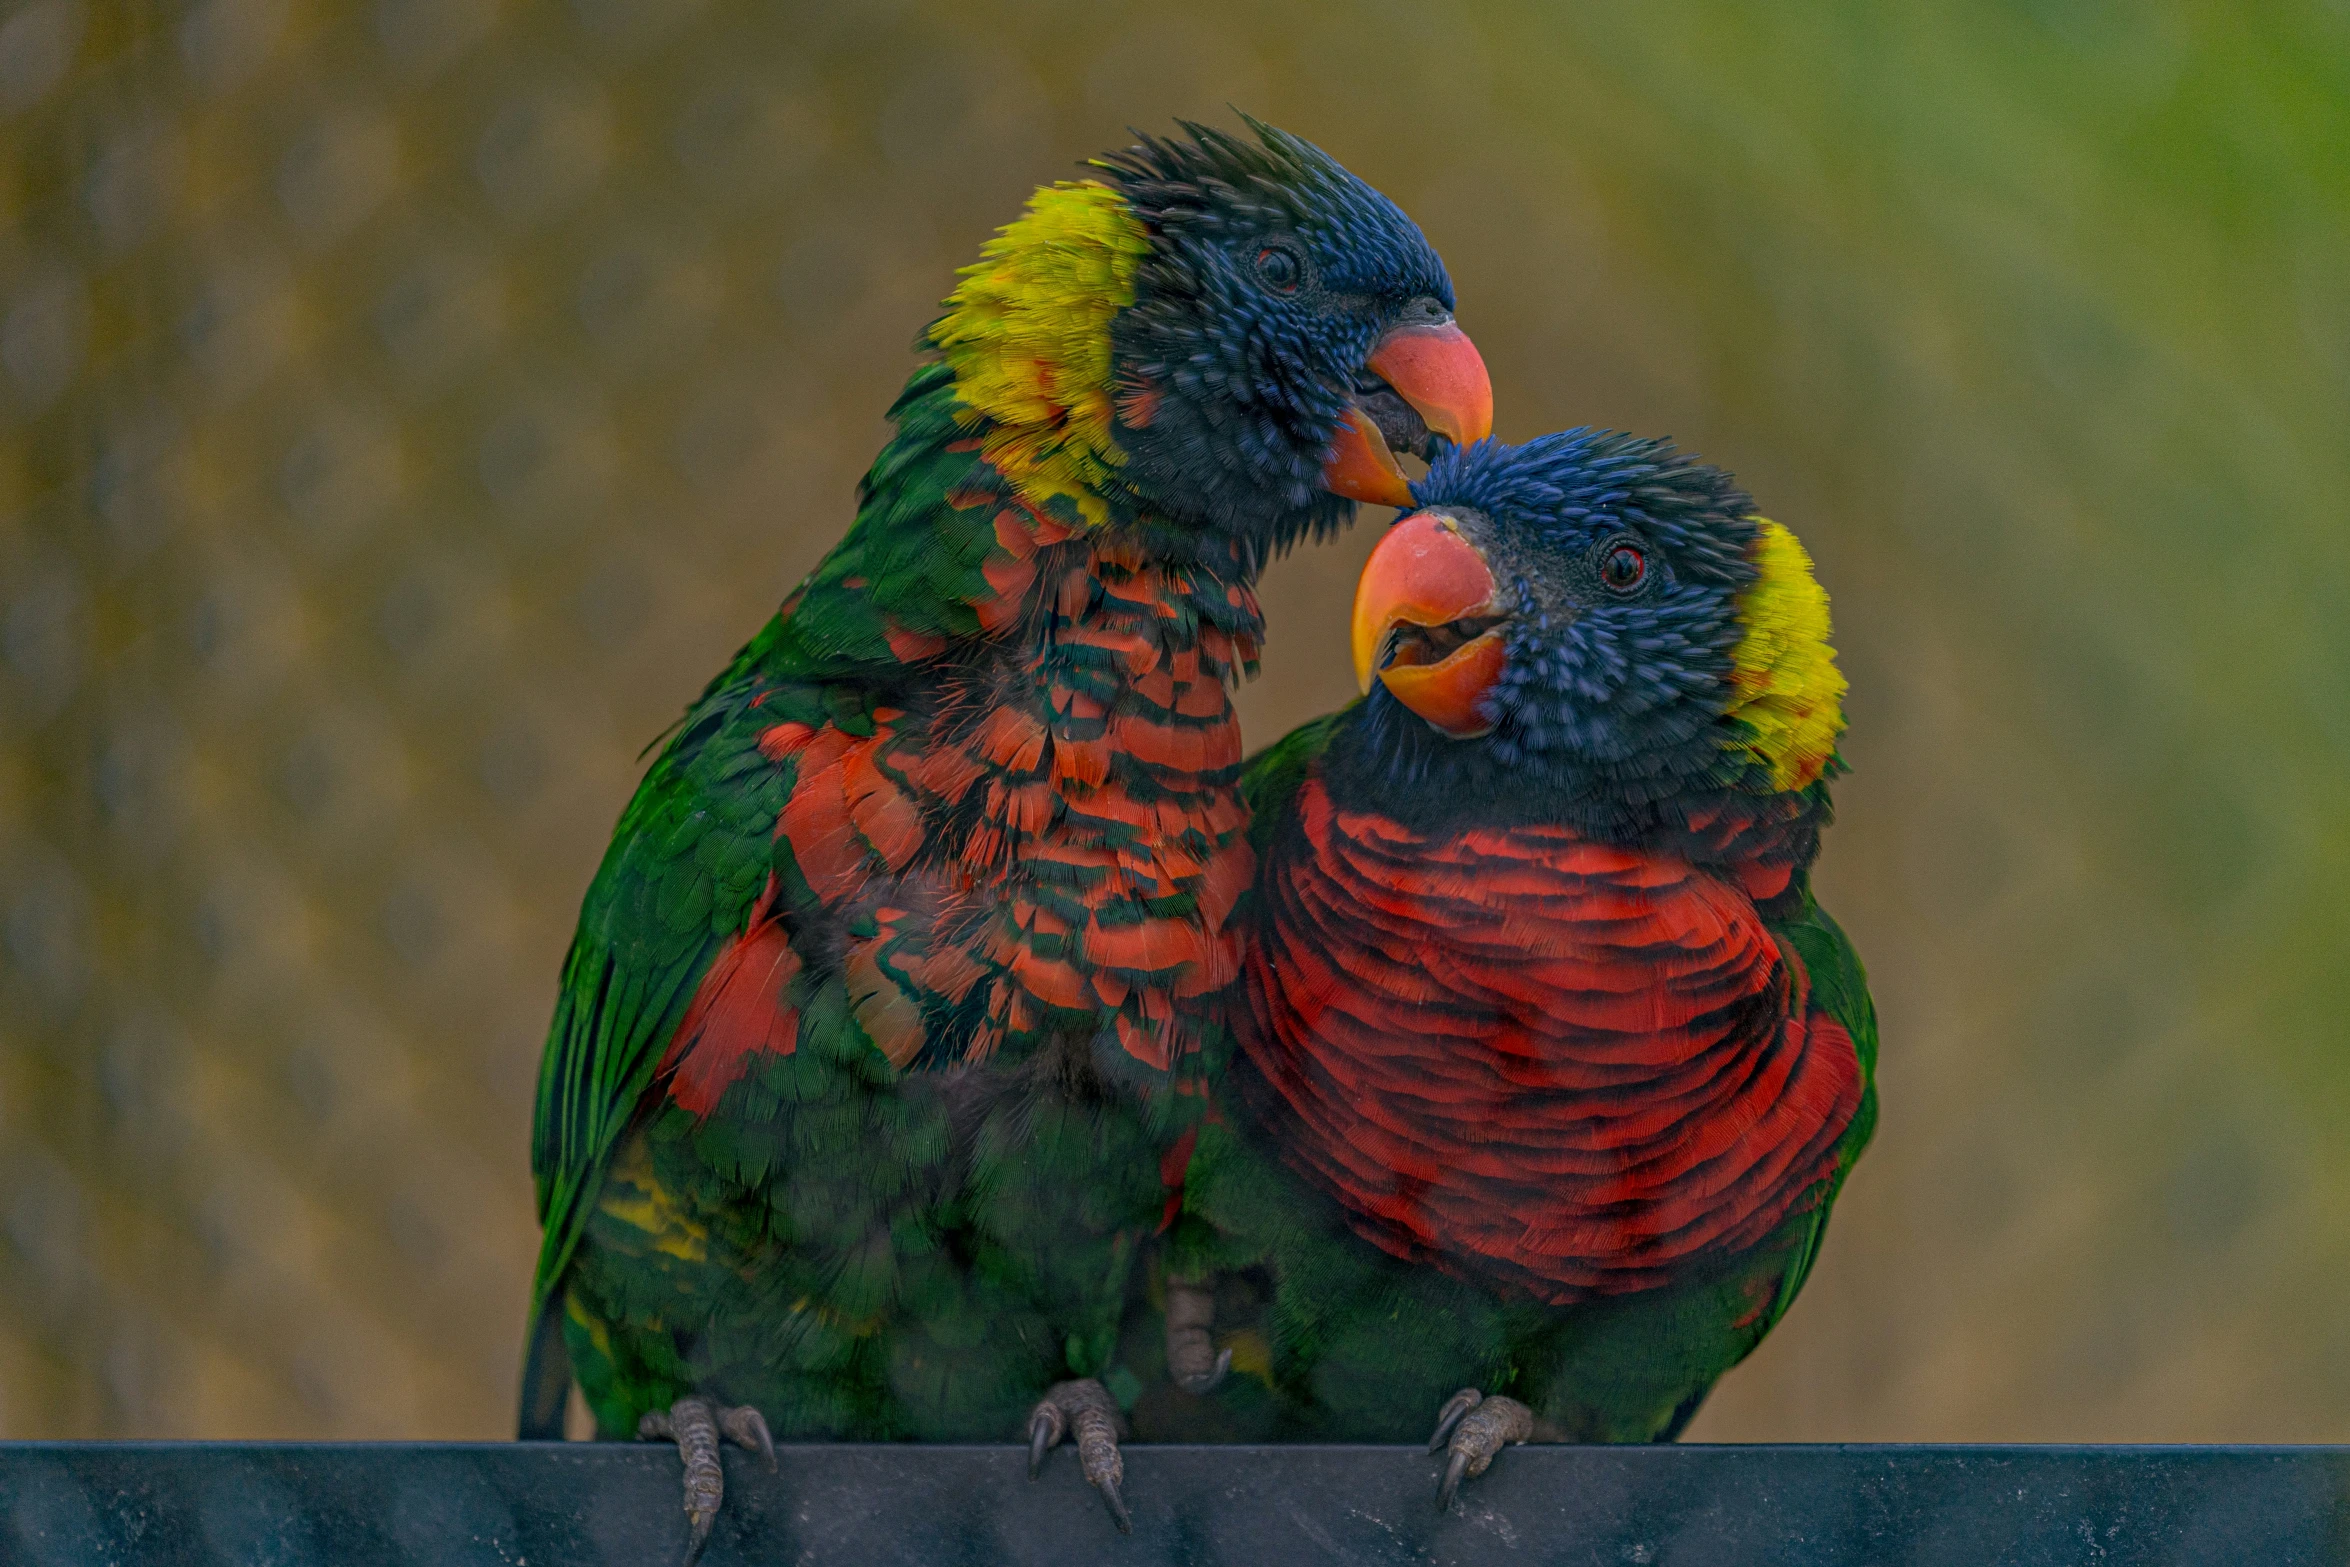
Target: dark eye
1277	268
1623	567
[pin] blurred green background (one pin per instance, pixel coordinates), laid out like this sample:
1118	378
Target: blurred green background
405	406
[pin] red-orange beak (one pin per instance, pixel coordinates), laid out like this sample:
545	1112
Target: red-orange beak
1439	372
1424	613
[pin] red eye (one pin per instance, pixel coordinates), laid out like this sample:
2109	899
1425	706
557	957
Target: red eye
1278	267
1623	567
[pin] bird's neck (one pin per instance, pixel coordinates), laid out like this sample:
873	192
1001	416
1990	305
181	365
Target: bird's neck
1678	801
1027	334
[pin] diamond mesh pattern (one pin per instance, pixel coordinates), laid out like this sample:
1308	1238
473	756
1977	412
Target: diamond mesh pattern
405	406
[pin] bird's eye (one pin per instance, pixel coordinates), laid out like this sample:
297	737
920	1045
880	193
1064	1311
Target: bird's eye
1624	567
1277	268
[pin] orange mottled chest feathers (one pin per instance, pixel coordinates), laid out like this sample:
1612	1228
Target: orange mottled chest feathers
1044	840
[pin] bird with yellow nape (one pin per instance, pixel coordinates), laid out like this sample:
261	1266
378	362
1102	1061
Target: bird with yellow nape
896	995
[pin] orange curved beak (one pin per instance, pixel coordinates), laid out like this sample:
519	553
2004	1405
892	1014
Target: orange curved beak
1425	574
1439	372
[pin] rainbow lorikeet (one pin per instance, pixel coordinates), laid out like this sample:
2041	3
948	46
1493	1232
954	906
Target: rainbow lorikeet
897	985
1551	1063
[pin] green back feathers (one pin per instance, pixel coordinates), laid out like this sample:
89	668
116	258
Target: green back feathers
1024	376
911	572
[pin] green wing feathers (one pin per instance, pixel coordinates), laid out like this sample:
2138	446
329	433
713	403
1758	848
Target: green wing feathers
1840	988
691	857
696	848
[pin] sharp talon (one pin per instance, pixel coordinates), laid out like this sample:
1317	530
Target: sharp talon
1449	1417
1041	1437
747	1429
1483	1428
1453	1470
699	1425
1209	1382
1116	1504
700	1537
1083	1412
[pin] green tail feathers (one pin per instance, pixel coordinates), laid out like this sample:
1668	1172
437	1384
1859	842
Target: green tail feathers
546	1375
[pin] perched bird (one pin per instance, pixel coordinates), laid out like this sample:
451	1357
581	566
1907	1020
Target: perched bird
1551	1065
895	991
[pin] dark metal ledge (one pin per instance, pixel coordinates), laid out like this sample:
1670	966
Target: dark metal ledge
526	1504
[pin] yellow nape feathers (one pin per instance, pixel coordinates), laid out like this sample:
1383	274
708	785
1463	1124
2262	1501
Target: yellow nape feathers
1790	694
1027	333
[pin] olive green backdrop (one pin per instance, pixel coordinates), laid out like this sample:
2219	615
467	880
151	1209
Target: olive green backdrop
405	406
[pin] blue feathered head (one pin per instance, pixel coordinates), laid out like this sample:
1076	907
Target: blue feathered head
1596	620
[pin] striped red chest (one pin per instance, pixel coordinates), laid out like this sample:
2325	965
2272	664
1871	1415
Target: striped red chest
1051	841
1561	1068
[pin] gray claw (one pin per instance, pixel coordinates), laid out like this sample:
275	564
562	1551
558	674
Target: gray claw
1208	1383
1454	1467
1044	1432
1449	1416
1084	1411
1482	1429
695	1424
747	1428
1116	1504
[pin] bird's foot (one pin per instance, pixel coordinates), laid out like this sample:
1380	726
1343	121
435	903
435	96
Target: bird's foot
1192	1358
1471	1428
1084	1412
696	1424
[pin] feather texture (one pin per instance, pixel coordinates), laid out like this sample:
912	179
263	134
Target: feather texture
1790	694
1557	1066
1551	1066
899	979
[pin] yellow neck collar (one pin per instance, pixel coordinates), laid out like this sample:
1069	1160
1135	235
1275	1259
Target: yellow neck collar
1027	333
1789	693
